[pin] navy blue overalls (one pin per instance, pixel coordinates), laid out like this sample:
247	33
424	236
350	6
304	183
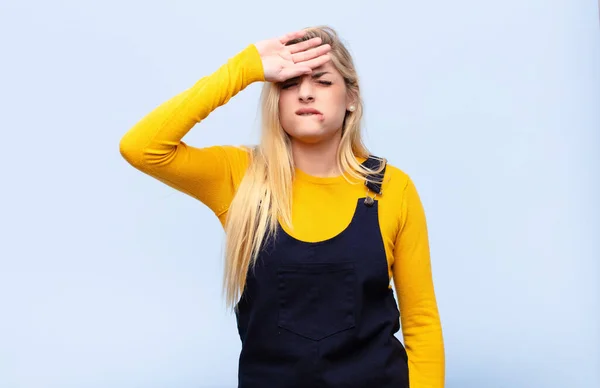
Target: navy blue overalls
322	314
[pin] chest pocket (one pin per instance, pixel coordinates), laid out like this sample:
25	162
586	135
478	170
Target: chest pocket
316	300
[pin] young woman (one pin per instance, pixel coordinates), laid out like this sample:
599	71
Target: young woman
317	228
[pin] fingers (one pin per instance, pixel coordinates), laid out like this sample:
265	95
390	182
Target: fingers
305	45
303	68
311	53
291	36
315	62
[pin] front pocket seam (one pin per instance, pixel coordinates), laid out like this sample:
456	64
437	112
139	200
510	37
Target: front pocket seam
305	323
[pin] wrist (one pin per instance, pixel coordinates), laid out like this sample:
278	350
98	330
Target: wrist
251	62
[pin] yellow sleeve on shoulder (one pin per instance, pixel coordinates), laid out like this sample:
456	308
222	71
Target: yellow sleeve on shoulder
211	174
412	274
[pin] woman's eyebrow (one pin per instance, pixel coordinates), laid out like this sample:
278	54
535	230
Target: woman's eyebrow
319	74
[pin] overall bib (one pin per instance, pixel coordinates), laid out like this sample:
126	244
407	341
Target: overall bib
322	314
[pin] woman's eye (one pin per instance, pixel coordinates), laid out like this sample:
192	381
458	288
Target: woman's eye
290	84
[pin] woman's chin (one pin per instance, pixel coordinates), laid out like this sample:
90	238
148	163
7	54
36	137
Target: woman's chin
309	135
311	132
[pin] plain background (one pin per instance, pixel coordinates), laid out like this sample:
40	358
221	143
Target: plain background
111	279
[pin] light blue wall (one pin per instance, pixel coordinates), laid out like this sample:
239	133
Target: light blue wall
111	279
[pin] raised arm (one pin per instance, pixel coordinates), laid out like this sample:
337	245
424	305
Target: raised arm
154	145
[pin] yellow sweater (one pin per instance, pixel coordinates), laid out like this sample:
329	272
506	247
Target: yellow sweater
212	174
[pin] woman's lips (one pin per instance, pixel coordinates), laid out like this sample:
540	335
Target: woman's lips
310	112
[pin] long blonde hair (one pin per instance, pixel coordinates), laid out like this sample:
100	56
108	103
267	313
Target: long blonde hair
264	196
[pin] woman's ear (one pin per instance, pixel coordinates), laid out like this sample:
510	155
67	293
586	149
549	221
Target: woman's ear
351	102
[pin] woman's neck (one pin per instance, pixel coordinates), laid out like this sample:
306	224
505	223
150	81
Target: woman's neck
317	159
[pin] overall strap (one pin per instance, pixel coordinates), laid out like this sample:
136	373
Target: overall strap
374	163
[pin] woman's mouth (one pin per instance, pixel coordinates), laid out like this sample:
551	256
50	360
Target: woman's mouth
310	112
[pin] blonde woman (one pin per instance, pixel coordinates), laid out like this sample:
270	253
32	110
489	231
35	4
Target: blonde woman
317	228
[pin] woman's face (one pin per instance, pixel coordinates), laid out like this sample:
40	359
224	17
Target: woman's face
312	107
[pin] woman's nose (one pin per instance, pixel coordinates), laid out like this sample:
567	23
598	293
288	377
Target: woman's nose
305	91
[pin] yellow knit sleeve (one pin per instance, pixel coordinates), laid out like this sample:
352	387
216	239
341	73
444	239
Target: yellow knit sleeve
154	145
421	326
